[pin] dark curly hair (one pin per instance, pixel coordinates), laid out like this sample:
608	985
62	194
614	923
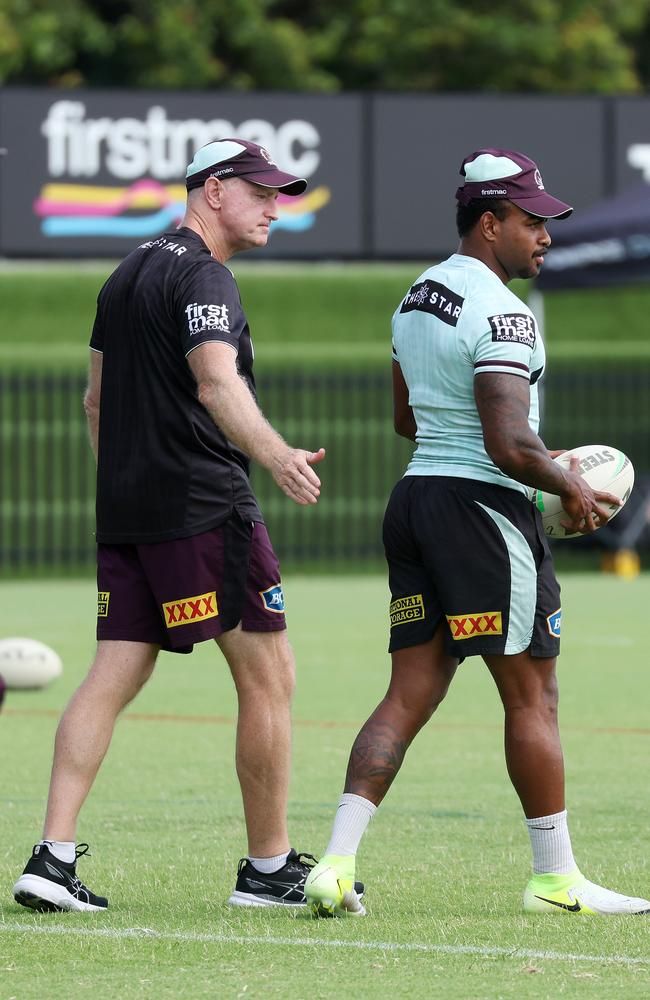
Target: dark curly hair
468	215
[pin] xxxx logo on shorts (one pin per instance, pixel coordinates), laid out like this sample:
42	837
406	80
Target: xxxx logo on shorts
406	609
190	609
481	623
103	597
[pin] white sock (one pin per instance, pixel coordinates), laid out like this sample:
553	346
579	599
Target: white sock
269	865
551	844
352	817
64	850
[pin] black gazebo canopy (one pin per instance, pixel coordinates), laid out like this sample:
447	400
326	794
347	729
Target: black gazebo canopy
606	244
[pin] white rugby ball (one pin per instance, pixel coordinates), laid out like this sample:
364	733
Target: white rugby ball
604	468
28	663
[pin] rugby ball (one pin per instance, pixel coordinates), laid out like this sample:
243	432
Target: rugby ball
604	468
27	663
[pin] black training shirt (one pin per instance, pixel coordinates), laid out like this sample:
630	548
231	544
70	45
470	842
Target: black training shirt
165	469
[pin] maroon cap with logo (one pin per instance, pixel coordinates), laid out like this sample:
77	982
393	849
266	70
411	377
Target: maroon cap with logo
502	173
238	158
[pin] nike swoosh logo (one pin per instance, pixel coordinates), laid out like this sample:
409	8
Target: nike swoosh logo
563	906
542	828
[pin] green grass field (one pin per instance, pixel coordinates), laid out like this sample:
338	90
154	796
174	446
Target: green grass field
332	314
445	859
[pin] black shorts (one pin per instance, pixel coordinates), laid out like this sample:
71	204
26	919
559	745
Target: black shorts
180	592
472	555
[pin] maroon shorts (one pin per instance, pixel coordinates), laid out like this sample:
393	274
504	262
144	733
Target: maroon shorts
185	591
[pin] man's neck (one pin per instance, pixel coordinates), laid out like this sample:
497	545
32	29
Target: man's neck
192	220
470	248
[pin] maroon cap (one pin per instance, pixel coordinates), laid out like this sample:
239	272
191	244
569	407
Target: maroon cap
502	173
238	158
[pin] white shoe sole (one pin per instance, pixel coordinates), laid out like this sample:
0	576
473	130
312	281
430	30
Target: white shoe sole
248	899
37	893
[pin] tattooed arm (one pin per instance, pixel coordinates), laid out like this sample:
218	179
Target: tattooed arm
503	402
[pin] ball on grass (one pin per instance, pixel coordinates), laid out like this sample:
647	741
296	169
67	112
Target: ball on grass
28	663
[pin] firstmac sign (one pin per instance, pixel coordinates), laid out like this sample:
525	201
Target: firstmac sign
95	172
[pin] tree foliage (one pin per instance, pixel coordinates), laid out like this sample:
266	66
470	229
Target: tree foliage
581	46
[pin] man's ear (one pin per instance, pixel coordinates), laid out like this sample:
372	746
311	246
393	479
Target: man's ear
213	190
489	224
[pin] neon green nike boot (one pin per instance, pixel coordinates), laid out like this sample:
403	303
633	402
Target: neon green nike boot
330	888
573	893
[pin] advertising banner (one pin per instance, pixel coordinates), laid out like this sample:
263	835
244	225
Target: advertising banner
93	173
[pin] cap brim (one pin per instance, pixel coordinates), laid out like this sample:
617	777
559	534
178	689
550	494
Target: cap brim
543	205
287	183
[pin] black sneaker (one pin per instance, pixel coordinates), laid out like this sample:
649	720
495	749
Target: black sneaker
50	885
286	887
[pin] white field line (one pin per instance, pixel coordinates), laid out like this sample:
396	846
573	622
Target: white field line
434	949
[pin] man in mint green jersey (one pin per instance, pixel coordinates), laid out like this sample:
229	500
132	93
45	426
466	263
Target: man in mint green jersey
470	570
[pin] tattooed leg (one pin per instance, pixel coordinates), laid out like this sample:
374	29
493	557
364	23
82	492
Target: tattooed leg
420	679
376	758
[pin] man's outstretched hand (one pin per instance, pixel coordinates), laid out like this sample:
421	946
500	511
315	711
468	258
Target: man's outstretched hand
292	471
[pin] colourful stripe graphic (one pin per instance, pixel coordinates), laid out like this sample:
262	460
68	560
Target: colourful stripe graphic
81	210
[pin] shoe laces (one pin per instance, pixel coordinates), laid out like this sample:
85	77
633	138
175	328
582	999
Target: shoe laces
77	885
304	860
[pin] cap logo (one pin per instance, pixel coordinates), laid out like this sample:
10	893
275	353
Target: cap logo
267	156
538	180
494	191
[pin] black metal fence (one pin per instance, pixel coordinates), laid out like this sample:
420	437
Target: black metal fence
47	471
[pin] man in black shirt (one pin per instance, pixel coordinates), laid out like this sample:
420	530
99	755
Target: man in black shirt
183	552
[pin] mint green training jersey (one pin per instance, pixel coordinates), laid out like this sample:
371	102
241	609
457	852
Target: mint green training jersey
457	321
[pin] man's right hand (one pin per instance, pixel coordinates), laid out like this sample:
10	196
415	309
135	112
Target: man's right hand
292	471
583	505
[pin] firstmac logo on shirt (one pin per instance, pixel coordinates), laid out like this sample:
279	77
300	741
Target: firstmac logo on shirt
513	328
207	317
